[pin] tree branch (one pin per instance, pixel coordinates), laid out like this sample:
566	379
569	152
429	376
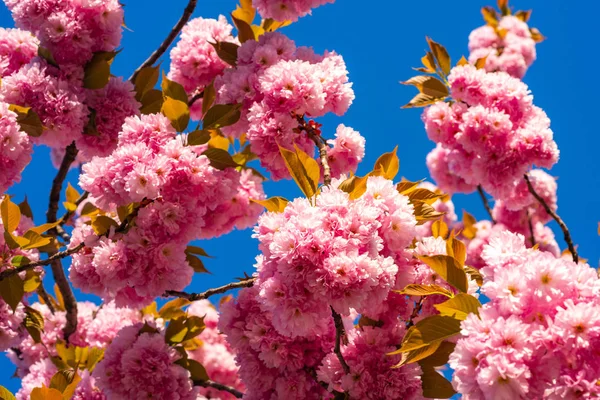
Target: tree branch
531	233
219	386
187	13
340	333
560	222
57	269
313	134
486	204
41	263
41	292
210	292
67	215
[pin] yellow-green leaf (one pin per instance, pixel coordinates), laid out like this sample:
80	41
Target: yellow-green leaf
32	281
218	141
145	81
490	16
441	56
45	393
25	208
387	165
226	51
355	186
244	11
274	204
88	209
449	269
125	211
5	394
271	25
459	306
424	212
47	55
197	250
151	102
172	309
59	298
298	170
11	214
245	31
184	328
424	290
208	97
14	242
428	62
503	6
19	261
97	70
469	230
523	15
456	249
28	120
35	240
310	166
418	354
439	229
71	194
440	357
536	35
421	100
197	370
221	115
405	187
434	385
177	112
34	323
12	290
428	85
219	159
462	61
102	224
196	264
474	274
173	89
424	195
429	330
44	227
480	63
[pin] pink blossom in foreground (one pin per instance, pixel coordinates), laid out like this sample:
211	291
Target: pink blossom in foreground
538	335
17	48
71	29
509	47
15	148
282	10
346	152
142	365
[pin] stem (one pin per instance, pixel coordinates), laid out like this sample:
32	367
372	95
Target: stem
532	235
210	292
187	13
486	204
415	312
56	256
41	292
57	269
560	222
322	146
219	386
65	218
339	333
195	98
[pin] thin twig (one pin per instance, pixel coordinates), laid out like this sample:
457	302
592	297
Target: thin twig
210	292
340	333
415	312
486	204
195	98
41	263
560	222
41	292
187	13
57	268
531	233
67	215
314	135
219	386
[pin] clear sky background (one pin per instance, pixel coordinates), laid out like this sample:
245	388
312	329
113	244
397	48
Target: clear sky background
380	42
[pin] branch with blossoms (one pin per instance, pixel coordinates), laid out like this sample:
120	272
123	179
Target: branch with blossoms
210	292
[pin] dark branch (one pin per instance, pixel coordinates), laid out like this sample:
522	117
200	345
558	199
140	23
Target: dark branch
531	233
486	204
57	269
56	256
41	292
560	222
195	98
340	333
415	312
219	386
67	215
187	13
210	292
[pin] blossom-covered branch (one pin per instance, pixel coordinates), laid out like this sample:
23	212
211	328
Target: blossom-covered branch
554	215
211	292
185	17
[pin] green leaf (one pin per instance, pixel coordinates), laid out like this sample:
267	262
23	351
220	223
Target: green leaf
12	290
28	120
173	90
424	290
102	224
184	328
125	211
34	323
387	165
274	204
303	168
177	112
449	269
97	70
219	159
434	385
151	102
19	261
245	31
208	97
221	115
198	137
94	356
11	214
197	370
428	85
431	329
172	309
35	240
226	51
5	394
145	81
459	306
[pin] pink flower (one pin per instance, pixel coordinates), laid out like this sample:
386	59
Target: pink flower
347	151
281	10
17	48
15	148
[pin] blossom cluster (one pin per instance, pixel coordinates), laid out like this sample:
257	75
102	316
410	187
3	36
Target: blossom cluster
508	46
15	148
277	83
17	48
282	10
537	336
490	136
152	163
71	29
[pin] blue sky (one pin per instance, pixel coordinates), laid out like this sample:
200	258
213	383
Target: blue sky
380	44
